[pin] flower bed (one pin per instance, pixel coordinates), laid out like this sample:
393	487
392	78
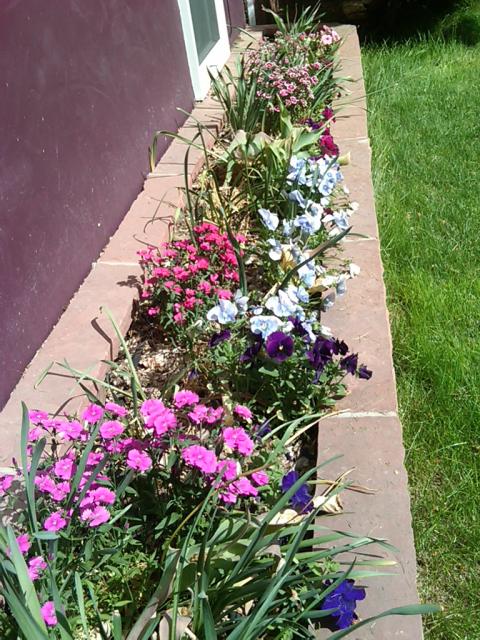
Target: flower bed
183	508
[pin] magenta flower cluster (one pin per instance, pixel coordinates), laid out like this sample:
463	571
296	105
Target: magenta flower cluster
186	274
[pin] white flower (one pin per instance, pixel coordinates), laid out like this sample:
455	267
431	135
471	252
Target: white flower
275	252
269	219
354	269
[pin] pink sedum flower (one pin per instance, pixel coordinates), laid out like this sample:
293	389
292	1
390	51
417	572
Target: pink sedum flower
55	522
111	429
35	567
237	439
92	413
48	613
185	398
139	460
200	458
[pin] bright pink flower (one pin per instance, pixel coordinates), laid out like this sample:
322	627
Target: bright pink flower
60	491
202	264
65	468
55	522
260	478
237	439
116	409
224	294
244	487
94	457
23	542
111	429
35	566
44	483
178	318
5	484
103	495
35	434
36	417
139	460
231	469
96	516
157	416
228	496
71	430
201	458
48	614
213	415
205	287
185	398
92	413
243	412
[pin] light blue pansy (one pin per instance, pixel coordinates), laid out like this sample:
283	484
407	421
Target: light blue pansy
265	325
269	219
275	252
241	301
223	313
296	196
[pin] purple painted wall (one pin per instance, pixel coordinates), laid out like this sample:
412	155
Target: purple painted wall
84	84
235	14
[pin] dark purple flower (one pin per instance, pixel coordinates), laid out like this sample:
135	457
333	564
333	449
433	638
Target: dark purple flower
299	329
344	600
350	363
250	353
327	145
301	500
342	347
217	338
364	373
321	353
279	346
327	113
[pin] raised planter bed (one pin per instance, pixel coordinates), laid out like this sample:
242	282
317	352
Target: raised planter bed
367	428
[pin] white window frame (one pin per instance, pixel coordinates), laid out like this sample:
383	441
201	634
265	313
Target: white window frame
216	57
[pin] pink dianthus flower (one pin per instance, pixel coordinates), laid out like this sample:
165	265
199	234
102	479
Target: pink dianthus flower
237	439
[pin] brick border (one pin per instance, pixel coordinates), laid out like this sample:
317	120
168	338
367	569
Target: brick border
83	336
368	433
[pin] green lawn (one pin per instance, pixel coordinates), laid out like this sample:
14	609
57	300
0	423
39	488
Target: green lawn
424	124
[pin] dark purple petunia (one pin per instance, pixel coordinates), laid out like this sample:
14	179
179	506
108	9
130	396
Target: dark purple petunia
220	337
249	354
350	363
344	600
301	500
279	346
364	373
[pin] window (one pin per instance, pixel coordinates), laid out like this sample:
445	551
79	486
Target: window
206	40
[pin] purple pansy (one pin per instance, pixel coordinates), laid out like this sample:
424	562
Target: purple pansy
253	350
219	337
343	599
279	346
301	500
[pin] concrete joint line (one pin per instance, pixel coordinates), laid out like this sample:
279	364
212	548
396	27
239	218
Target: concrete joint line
365	414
